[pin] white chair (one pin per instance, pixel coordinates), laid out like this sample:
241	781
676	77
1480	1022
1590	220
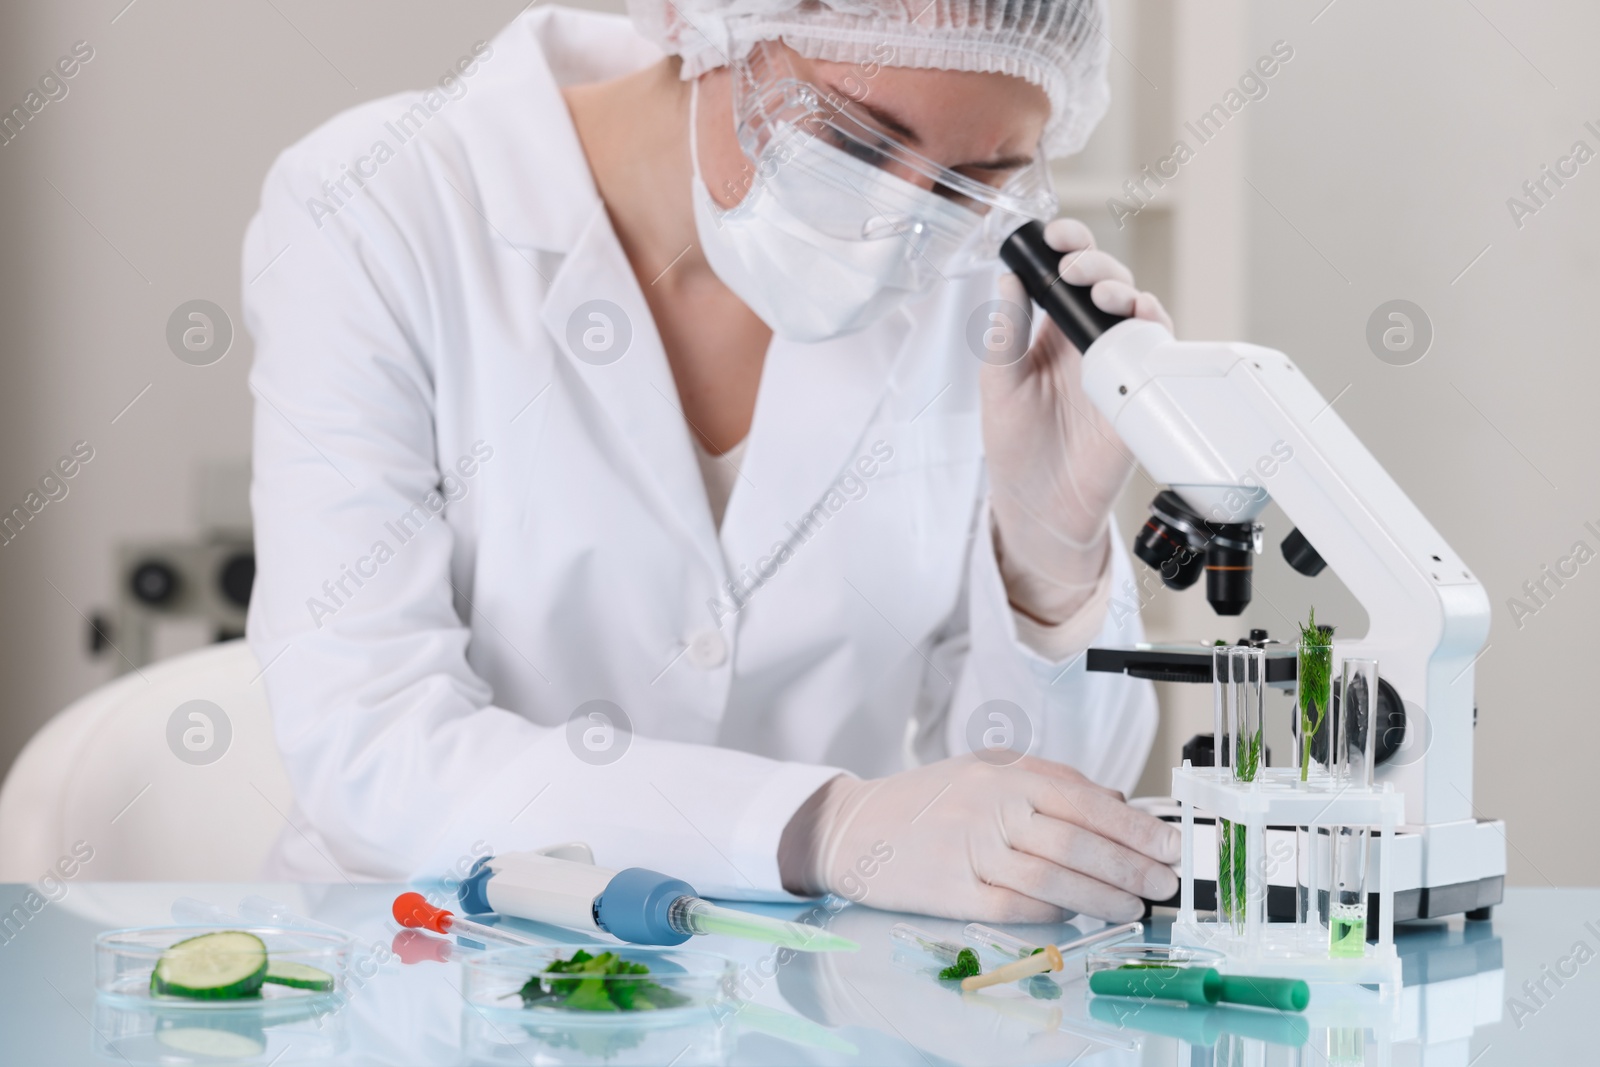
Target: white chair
115	772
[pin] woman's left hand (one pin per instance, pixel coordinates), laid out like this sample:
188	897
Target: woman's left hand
1055	464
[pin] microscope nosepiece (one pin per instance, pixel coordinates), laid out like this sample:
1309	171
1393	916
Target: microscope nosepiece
1181	546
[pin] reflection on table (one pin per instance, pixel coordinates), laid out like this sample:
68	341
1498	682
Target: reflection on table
404	1003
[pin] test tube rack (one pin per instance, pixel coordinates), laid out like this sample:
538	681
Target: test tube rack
1277	797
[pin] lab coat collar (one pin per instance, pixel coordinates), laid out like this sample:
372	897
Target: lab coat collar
595	290
528	166
534	187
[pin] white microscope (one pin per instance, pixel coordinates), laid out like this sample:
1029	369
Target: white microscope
1207	420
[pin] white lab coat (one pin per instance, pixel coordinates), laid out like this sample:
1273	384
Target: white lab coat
464	532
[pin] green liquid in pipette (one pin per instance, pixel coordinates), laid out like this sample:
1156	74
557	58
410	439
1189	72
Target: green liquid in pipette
798	936
1347	935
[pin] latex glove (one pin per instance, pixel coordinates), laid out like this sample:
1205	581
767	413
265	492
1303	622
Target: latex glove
964	839
1055	465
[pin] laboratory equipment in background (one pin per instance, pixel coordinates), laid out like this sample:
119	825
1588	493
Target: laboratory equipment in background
563	887
1228	427
174	595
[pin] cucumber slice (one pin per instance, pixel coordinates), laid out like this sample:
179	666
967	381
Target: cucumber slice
220	966
299	976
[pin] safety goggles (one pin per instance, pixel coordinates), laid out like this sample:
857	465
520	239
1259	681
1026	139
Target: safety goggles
837	171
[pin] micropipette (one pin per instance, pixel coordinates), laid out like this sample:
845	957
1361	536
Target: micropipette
635	905
413	910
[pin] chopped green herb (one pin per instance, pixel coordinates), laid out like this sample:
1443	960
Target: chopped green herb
965	966
592	983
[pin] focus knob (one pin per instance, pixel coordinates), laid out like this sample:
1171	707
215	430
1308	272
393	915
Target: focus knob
1299	554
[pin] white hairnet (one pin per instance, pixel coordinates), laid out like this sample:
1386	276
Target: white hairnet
1058	45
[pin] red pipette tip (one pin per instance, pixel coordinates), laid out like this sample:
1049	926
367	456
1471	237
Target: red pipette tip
413	910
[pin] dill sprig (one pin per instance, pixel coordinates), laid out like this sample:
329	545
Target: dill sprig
1232	866
1315	687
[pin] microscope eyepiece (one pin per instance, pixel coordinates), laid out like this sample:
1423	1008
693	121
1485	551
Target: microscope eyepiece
1038	267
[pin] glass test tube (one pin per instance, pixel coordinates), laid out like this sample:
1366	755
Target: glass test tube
1012	947
1313	697
1219	705
935	946
1346	1046
1248	673
1250	889
1314	873
1352	740
1222	723
998	941
1354	737
1237	893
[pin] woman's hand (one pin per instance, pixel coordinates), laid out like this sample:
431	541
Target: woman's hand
967	840
1055	464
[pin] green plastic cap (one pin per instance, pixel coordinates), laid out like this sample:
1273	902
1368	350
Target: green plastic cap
1285	994
1192	985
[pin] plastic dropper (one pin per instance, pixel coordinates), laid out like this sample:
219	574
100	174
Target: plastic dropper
1049	958
1012	947
413	910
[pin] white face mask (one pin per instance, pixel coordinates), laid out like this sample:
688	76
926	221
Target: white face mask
808	284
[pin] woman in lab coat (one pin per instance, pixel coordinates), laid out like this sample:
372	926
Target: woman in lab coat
697	496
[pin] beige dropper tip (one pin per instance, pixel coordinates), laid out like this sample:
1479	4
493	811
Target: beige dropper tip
1048	960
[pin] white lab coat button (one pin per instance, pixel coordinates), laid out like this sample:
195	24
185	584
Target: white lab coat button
707	650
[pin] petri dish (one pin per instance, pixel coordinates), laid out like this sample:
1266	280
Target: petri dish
280	1032
676	984
1145	954
126	959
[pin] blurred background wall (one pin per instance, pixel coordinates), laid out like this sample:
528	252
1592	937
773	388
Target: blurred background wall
1376	164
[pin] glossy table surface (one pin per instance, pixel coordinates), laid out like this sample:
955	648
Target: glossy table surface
1522	989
